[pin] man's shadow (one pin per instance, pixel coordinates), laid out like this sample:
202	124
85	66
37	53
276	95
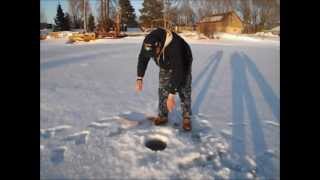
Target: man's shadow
206	75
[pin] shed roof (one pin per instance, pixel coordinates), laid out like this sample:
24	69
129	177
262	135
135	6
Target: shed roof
218	17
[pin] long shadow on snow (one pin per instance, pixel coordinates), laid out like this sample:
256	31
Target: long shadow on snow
207	81
267	92
241	95
76	59
212	57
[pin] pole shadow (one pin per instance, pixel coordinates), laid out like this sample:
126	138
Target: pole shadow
241	96
77	59
215	61
54	64
212	57
267	92
202	94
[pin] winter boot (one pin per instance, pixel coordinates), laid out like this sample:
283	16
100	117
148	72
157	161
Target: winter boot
160	120
186	123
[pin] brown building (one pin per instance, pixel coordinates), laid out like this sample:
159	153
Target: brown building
228	22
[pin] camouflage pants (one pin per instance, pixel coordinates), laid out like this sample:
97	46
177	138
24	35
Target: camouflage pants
184	93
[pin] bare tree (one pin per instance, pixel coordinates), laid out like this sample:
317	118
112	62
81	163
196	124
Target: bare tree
246	11
43	17
76	11
268	12
208	7
185	14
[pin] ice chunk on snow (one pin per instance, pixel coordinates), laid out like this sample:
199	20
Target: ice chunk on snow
164	131
188	160
50	132
224	173
189	157
250	162
272	123
99	125
236	124
60	128
79	138
249	175
216	163
226	133
104	119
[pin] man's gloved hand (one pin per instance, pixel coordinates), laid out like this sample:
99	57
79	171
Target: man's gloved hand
171	102
139	85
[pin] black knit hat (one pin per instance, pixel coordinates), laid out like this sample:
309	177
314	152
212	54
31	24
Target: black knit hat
157	35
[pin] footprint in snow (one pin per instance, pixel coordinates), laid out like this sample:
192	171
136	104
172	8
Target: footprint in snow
111	128
78	138
57	154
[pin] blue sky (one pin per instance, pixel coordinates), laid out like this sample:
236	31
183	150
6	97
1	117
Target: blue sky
50	7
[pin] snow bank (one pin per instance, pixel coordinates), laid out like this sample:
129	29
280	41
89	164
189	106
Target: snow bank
258	37
265	34
189	35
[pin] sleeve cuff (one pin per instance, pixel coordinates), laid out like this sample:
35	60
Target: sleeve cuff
173	90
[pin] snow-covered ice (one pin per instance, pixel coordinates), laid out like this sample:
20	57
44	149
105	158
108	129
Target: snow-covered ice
94	125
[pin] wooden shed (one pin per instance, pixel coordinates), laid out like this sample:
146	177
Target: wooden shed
228	22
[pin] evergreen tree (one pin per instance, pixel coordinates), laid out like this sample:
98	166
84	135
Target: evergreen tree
91	23
151	10
59	19
127	13
67	22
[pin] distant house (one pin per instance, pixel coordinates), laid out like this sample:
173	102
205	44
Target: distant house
228	22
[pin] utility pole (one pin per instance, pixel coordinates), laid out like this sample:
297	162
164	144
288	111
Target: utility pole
118	21
104	15
107	7
84	16
165	11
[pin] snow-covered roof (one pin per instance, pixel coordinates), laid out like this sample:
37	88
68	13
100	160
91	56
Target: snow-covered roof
212	18
217	17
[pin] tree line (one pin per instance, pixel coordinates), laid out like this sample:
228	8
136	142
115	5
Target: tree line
74	17
256	14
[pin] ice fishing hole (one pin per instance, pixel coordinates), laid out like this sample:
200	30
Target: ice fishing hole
155	144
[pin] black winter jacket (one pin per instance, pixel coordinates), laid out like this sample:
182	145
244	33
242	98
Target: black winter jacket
177	57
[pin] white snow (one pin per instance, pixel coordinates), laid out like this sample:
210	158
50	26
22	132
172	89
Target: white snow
93	124
272	123
259	37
